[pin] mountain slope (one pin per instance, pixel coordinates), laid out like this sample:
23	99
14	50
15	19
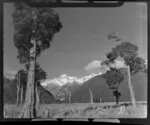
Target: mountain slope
97	87
10	93
67	88
46	97
53	88
101	90
61	85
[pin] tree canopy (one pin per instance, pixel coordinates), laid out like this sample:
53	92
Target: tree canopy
40	74
45	25
129	53
113	78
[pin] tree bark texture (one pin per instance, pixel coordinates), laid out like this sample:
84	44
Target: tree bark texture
21	94
37	97
29	110
18	89
131	88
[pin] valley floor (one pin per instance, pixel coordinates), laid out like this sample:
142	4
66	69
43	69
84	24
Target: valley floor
84	110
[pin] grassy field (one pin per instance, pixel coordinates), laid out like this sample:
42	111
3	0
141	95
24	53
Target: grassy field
84	110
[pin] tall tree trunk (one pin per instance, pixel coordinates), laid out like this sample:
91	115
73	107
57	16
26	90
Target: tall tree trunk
91	96
24	92
100	100
117	100
29	110
131	88
21	94
18	89
68	94
39	92
117	96
37	96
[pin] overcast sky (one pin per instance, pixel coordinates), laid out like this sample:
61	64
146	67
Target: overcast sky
82	42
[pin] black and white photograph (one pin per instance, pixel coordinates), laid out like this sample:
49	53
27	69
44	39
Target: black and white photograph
75	62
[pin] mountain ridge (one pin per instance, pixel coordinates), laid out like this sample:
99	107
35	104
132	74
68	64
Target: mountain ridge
61	92
65	79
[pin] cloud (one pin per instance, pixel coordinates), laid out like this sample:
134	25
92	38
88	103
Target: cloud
10	74
96	64
146	61
93	65
119	64
13	72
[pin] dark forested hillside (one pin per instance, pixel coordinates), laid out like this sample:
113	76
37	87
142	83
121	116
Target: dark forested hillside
10	93
100	89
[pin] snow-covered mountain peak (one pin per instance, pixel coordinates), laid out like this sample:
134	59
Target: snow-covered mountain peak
65	79
64	75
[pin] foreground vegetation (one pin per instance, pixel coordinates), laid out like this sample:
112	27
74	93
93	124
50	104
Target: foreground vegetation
84	110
